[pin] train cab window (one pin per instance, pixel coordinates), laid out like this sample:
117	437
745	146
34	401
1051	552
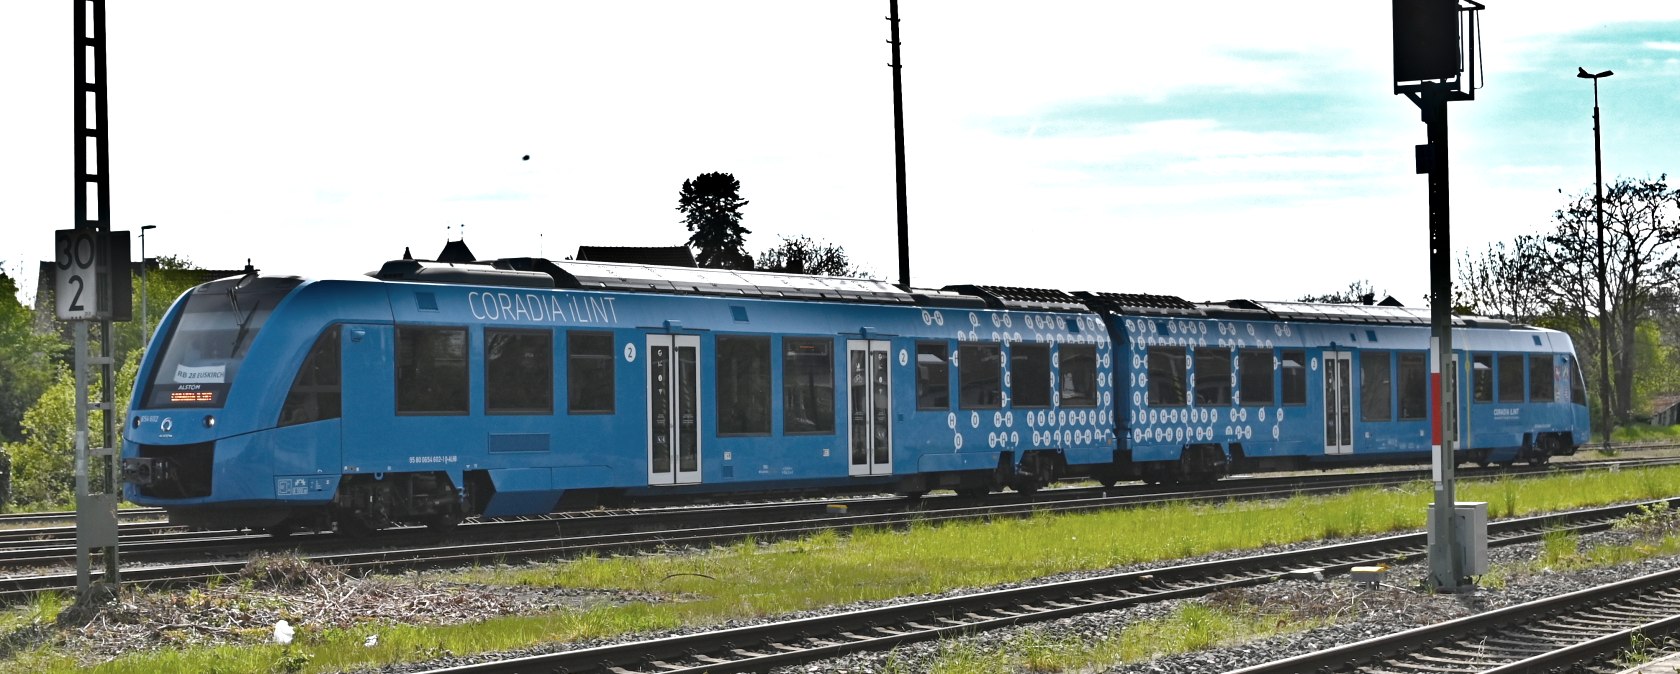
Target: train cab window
1577	384
1166	376
979	376
518	371
743	385
1077	364
1029	375
1376	386
589	372
1255	375
431	370
316	393
807	385
1540	375
1213	376
1292	368
1414	386
1481	377
933	376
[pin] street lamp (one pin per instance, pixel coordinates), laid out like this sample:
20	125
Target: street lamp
1598	208
145	317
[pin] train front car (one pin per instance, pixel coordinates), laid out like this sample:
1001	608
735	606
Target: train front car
219	433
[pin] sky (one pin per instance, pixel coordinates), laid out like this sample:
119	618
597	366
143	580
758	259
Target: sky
1215	150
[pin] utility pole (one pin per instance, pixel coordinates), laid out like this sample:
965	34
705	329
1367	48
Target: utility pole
898	148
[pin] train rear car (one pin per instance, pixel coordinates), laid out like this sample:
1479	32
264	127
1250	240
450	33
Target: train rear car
1245	386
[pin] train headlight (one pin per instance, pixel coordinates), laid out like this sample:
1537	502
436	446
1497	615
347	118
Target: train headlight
136	423
209	421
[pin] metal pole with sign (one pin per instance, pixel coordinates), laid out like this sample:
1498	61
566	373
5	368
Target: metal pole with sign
92	284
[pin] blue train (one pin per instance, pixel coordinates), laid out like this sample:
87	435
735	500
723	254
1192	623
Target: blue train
435	391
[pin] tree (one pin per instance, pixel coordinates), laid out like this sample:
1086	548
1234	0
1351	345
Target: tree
1358	292
802	255
1641	265
1508	283
26	360
41	455
711	206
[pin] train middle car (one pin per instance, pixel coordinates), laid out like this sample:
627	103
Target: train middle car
436	391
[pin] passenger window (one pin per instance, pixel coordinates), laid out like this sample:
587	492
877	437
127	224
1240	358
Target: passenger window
1540	384
1029	375
979	376
1166	376
807	385
1078	366
743	385
1293	369
1481	377
316	393
1254	370
1213	376
1414	386
933	377
518	371
1510	378
1376	385
589	372
431	370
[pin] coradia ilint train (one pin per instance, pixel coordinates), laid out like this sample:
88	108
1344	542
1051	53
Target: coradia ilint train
436	391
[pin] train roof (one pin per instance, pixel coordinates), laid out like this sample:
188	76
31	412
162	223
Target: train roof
1299	312
532	272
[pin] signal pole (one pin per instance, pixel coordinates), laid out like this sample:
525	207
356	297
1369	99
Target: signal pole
1428	69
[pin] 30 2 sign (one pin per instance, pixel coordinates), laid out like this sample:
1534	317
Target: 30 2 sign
76	265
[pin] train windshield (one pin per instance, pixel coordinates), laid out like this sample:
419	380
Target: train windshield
211	338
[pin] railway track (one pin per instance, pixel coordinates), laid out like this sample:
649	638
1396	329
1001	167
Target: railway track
764	646
1586	631
543	539
159	558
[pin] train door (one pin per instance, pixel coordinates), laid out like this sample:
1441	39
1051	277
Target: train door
1338	402
869	406
368	397
673	390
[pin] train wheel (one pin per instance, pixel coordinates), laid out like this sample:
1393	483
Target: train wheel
349	525
443	524
279	531
1538	458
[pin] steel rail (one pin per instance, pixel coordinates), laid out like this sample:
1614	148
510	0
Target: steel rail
1567	632
761	647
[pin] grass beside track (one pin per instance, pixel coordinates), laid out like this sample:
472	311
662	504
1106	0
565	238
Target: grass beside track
752	580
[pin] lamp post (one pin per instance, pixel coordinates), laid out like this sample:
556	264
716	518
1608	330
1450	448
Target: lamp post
1598	215
145	306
